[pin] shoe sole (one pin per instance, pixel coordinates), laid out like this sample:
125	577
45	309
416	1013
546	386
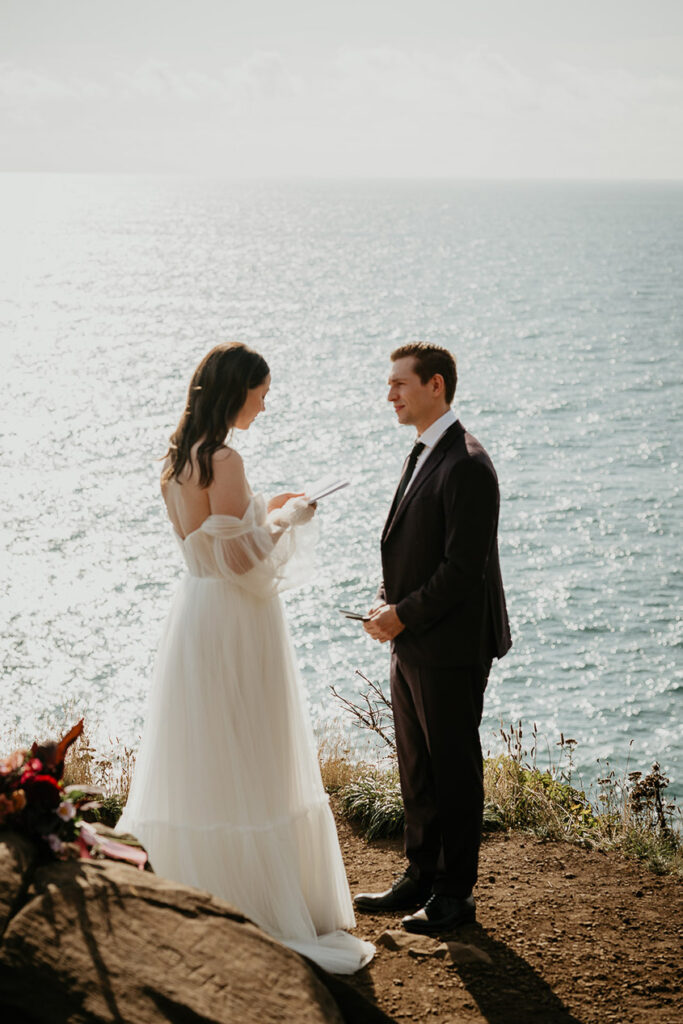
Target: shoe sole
428	929
374	909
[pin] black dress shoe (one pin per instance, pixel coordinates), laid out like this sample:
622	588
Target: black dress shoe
404	894
441	914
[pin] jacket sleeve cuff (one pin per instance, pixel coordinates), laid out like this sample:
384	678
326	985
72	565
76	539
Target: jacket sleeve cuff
406	613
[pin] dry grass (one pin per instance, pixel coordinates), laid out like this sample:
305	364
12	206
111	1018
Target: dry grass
109	767
630	814
524	797
337	765
527	799
110	770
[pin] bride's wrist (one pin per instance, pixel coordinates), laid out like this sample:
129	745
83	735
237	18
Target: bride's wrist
278	519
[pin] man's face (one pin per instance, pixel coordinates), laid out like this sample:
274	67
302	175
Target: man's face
412	400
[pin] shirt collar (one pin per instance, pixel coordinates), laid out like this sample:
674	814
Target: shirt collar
438	428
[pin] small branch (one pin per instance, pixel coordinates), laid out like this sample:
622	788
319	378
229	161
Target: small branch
377	690
371	714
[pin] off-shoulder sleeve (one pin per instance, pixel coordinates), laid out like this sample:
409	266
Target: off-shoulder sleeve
264	554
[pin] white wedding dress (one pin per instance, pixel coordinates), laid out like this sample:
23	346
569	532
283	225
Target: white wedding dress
226	794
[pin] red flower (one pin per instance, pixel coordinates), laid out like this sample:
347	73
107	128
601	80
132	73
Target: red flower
32	769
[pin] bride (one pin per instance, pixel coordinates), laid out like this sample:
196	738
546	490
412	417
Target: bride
226	794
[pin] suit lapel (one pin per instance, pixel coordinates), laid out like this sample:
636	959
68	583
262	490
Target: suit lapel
432	463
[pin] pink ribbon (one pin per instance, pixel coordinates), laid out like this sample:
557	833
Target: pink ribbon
90	840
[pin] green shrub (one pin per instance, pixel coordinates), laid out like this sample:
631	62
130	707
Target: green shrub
373	799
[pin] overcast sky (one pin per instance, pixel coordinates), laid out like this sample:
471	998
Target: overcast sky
405	88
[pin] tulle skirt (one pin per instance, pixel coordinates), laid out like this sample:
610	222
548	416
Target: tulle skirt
226	794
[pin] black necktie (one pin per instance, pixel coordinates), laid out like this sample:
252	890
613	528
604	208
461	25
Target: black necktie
418	448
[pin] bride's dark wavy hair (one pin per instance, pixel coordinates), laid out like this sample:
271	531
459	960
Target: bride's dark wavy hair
217	392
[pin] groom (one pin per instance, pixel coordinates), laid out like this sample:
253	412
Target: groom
442	606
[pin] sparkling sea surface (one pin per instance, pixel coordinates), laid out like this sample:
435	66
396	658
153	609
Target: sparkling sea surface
563	303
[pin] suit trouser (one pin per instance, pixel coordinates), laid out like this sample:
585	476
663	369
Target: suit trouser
437	712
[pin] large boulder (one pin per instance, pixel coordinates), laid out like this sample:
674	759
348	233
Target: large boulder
101	942
17	860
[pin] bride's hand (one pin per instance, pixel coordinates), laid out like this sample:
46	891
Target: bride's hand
296	511
281	499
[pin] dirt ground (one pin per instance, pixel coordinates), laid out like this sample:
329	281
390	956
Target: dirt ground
563	935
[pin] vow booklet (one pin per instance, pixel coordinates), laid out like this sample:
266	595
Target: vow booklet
322	490
348	614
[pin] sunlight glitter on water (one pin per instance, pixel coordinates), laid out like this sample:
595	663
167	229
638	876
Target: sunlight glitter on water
568	345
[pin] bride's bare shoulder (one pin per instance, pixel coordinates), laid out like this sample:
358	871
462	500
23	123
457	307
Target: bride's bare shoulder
228	491
227	463
165	475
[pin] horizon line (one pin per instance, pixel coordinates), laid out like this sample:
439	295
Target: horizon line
272	178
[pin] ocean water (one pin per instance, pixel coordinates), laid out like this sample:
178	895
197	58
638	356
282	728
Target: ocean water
563	304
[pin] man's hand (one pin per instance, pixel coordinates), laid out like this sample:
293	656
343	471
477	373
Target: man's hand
383	624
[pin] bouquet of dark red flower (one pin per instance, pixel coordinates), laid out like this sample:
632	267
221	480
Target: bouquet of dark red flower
33	799
35	802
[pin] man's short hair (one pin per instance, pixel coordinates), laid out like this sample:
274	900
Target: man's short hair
431	359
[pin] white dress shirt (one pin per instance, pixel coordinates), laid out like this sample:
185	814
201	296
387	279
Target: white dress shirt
429	439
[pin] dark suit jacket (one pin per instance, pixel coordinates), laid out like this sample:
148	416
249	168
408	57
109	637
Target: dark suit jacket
440	559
